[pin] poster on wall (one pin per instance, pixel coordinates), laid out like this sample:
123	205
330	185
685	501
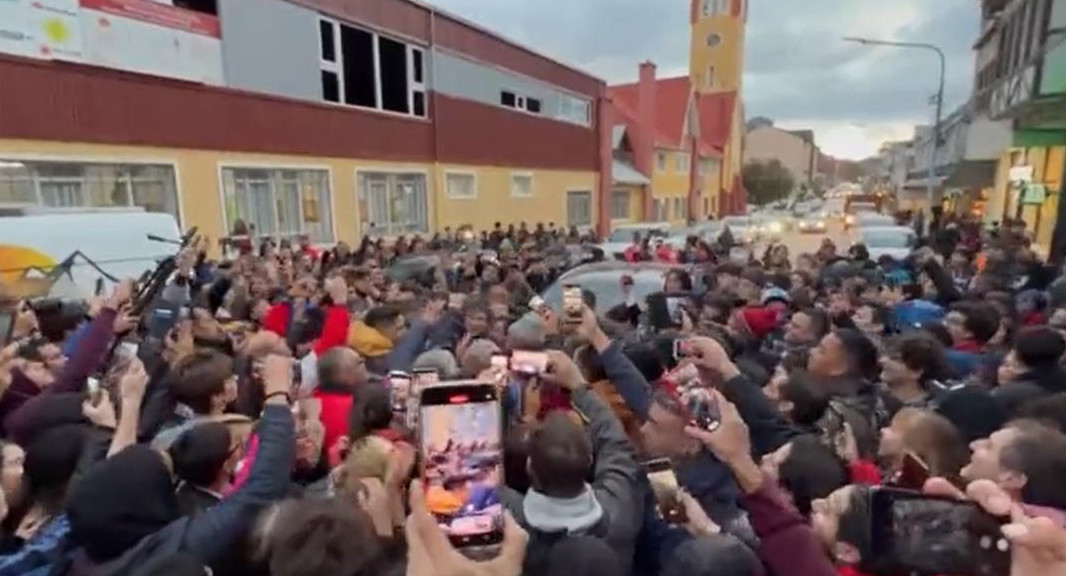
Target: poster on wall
152	38
15	27
54	27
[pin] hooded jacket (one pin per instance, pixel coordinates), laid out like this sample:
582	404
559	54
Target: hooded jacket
613	488
210	536
371	344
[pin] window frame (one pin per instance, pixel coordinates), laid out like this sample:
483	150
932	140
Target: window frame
448	189
662	161
124	162
337	68
682	162
532	184
585	193
273	170
616	195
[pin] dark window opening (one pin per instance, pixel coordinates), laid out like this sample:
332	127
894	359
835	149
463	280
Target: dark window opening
325	32
420	104
357	47
392	56
508	99
416	64
533	105
203	6
331	89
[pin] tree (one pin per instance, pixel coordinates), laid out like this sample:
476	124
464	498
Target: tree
767	181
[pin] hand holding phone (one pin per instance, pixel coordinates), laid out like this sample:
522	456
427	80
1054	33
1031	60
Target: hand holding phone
461	444
667	491
573	305
915	533
529	362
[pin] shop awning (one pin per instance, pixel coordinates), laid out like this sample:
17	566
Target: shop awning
973	174
624	173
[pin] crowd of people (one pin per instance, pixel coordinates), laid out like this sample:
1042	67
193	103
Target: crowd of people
243	422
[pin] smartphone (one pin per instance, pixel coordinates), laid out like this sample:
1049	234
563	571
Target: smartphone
702	409
913	472
399	390
7	326
573	305
528	362
666	489
420	380
911	533
675	306
682	349
94	390
129	349
461	445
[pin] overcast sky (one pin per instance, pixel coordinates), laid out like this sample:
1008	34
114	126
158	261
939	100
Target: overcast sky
797	70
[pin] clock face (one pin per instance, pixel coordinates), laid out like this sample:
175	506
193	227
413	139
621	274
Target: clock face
713	40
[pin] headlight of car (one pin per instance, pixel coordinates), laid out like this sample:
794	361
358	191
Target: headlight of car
849	219
775	227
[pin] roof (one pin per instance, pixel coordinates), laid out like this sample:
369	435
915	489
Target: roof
672	99
805	135
624	173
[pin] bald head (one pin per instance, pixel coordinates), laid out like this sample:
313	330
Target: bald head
341	370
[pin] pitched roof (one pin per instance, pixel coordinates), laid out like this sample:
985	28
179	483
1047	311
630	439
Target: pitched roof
672	98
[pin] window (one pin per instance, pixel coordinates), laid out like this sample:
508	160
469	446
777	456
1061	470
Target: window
708	80
574	110
579	208
661	161
364	69
659	207
680	209
708	166
522	185
393	204
280	203
713	40
620	205
518	102
681	161
83	185
715	7
461	185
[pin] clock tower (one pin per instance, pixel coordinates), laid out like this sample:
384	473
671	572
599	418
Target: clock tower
717	58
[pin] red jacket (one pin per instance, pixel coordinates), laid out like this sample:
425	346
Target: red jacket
334	416
334	328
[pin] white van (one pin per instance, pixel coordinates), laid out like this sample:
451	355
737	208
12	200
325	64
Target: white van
69	253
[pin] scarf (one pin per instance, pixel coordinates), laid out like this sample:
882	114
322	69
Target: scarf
571	515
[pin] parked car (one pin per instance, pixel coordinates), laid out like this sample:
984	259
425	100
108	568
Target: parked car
743	228
868	220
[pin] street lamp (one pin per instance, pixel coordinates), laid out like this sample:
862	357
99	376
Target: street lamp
939	97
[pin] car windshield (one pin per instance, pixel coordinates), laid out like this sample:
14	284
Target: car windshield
626	234
888	239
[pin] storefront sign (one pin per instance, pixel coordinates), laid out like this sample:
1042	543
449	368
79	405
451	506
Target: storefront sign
152	38
55	29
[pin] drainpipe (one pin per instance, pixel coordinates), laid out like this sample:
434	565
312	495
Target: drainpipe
604	160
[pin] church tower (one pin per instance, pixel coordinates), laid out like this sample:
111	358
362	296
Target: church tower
717	58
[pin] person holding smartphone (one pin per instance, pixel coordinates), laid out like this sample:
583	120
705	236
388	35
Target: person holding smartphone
562	455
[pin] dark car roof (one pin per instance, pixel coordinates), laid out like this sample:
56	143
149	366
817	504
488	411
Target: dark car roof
604	280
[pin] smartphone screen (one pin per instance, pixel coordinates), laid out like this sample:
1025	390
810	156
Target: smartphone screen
914	533
667	491
681	349
462	461
94	390
399	390
7	325
573	304
703	409
528	362
675	306
129	349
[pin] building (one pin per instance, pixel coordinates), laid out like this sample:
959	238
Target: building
1020	77
685	134
794	149
329	118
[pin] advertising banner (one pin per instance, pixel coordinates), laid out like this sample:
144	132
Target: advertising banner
152	38
15	27
55	29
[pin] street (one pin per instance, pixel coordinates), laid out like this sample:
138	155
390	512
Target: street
801	243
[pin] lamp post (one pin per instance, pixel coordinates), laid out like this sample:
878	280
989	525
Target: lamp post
939	98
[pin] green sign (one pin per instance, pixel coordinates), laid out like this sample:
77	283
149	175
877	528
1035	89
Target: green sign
1034	194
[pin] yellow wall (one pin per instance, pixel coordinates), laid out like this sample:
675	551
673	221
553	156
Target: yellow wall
727	57
198	180
636	204
1048	165
672	183
494	202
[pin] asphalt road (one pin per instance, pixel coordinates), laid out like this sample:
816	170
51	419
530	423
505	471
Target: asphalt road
799	243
